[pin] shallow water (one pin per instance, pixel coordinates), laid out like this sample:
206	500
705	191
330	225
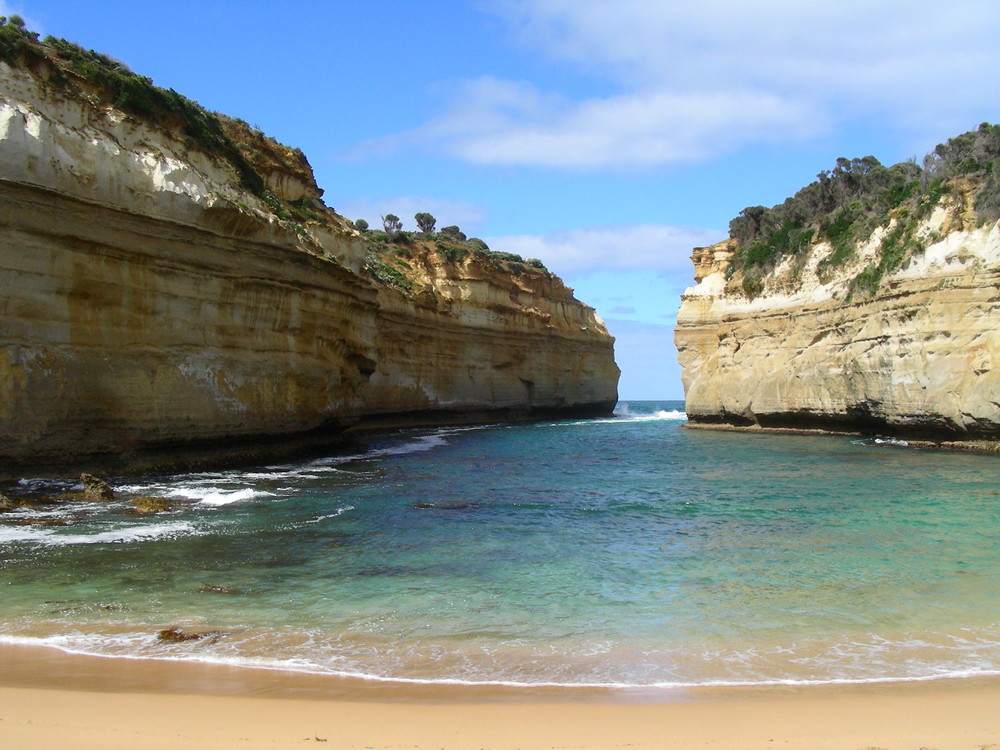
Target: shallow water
624	551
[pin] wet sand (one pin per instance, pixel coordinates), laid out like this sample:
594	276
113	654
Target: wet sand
49	699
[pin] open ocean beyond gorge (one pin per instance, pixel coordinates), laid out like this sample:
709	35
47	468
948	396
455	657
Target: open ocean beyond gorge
619	552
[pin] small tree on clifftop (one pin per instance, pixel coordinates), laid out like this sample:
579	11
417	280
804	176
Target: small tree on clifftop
393	226
425	222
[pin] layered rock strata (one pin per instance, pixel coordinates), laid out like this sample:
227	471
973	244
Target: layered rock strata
482	340
154	308
919	358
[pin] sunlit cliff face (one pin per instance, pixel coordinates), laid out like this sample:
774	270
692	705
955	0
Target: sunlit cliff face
920	357
153	306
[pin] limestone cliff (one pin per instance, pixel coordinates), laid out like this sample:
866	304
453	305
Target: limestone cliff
483	335
893	328
172	286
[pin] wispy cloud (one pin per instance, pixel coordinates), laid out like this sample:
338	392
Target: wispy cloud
654	247
903	55
697	79
506	123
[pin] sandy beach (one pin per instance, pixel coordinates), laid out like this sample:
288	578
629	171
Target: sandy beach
52	700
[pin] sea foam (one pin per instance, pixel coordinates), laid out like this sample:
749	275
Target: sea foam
54	537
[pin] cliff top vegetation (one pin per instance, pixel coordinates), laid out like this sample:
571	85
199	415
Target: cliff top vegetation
845	205
104	81
391	250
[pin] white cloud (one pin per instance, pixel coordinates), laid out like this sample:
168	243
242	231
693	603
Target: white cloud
698	78
654	247
502	123
468	216
895	50
514	124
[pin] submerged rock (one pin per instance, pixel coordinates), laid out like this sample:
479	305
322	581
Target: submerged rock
148	505
95	489
207	589
25	502
43	521
177	635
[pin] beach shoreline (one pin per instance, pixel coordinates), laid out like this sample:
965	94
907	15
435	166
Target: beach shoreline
52	699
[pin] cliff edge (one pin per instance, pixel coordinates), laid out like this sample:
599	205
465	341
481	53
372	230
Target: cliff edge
173	287
868	302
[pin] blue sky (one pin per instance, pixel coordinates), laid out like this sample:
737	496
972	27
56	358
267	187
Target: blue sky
606	138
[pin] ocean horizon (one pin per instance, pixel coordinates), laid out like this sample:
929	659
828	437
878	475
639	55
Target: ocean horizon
624	552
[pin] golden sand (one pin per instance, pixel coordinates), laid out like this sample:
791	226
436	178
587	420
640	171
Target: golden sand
52	700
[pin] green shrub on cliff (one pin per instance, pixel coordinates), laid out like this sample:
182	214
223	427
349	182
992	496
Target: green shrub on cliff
453	233
387	260
384	272
305	209
846	204
17	42
897	245
108	82
988	201
451	252
119	87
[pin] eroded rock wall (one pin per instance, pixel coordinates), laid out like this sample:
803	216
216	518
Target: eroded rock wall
479	339
122	333
920	358
151	306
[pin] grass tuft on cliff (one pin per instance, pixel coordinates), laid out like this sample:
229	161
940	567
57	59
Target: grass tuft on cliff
104	81
845	205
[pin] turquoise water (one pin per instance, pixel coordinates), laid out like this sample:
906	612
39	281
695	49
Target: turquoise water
626	552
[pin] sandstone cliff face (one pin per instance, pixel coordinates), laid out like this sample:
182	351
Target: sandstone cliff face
151	304
919	358
481	338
